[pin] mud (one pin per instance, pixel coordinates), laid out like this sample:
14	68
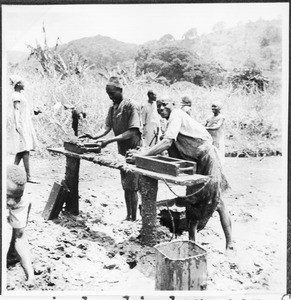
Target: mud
99	251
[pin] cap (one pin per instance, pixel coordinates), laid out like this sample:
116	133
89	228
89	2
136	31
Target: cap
115	81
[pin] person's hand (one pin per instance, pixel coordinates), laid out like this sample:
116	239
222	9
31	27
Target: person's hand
102	143
86	135
131	155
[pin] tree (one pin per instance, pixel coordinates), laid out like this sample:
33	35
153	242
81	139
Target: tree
190	34
171	62
249	78
166	39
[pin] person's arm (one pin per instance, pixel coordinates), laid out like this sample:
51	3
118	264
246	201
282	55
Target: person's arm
121	137
161	146
16	106
217	126
99	135
22	248
102	133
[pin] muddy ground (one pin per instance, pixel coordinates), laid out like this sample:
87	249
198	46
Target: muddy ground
99	251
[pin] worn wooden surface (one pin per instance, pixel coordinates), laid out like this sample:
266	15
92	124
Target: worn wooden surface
72	181
166	165
50	211
180	265
149	186
183	179
148	190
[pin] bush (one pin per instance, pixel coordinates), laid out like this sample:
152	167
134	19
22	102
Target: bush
253	121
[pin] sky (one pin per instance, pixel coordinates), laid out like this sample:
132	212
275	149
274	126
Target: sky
131	23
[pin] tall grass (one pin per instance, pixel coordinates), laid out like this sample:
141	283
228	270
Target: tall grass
252	120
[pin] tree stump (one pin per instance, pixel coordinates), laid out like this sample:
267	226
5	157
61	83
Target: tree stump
149	189
72	181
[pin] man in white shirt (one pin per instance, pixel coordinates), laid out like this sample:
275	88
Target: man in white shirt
150	120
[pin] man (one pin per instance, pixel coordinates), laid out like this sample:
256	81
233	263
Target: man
18	209
187	139
124	119
186	105
215	126
150	120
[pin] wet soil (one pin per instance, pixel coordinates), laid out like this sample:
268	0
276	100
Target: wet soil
99	251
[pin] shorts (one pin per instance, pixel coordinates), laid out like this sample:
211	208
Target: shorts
129	180
18	217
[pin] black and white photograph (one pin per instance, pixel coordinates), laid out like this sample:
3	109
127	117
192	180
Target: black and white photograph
144	150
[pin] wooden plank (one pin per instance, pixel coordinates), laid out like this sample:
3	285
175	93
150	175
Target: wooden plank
55	203
166	165
72	181
73	147
183	179
152	164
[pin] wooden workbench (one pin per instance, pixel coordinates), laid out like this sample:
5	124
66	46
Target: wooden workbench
148	187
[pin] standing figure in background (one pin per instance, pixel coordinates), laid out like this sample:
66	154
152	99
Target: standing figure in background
150	120
18	208
215	126
77	116
186	105
25	134
124	119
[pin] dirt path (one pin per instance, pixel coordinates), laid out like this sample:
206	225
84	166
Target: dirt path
98	251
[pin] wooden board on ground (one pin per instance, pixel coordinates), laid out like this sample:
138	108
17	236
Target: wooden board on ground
57	198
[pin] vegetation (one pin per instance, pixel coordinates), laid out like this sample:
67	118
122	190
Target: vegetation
250	92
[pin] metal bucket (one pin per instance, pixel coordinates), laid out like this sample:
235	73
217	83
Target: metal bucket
180	265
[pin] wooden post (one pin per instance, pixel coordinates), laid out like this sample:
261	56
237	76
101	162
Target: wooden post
149	189
72	181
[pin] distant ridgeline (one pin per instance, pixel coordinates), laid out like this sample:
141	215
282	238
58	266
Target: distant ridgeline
248	55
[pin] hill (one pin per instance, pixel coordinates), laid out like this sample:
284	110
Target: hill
254	44
100	50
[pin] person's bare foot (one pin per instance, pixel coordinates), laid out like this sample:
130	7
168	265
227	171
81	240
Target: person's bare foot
30	282
32	180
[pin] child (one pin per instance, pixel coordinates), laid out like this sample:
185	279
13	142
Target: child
18	209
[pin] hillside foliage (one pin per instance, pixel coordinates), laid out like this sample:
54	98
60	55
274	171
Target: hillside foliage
239	66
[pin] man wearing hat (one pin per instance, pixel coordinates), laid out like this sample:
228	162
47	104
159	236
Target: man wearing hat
150	120
215	126
124	119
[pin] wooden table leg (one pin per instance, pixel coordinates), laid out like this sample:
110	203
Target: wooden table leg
72	181
149	189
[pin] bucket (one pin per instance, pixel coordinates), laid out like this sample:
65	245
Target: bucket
180	265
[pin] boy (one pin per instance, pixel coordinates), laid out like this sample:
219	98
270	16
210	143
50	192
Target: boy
18	209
